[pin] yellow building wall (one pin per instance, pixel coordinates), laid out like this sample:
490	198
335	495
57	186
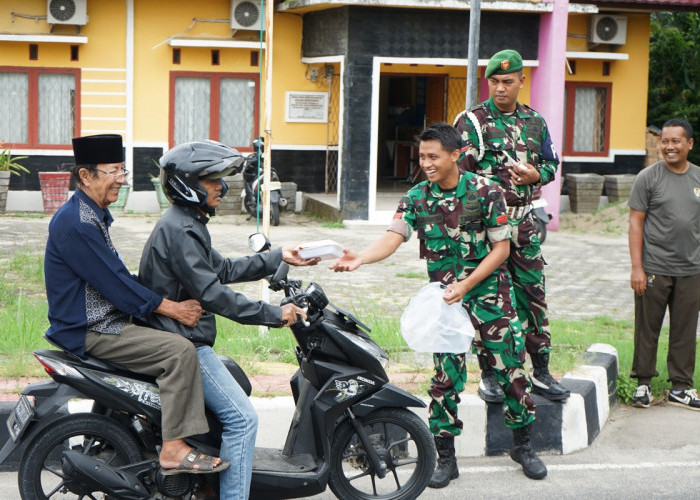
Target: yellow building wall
153	65
153	56
628	77
103	63
102	59
290	74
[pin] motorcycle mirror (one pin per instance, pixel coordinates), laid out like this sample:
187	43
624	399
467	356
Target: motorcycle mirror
239	163
258	242
259	144
280	274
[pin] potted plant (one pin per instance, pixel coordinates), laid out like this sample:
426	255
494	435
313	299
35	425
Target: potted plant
55	187
163	201
8	166
121	200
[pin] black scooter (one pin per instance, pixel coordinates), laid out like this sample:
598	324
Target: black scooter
252	179
352	430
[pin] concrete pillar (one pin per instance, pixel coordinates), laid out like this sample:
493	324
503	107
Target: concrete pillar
547	90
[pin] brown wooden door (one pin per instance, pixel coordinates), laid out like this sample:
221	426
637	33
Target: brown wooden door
435	100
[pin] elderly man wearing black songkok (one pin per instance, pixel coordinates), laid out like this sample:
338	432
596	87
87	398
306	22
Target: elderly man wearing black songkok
92	297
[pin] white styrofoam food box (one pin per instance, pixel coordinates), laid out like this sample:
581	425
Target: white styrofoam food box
323	249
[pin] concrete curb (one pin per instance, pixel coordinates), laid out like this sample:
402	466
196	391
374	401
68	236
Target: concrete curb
560	428
564	427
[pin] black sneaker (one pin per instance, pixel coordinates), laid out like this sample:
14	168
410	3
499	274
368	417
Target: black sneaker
642	397
687	399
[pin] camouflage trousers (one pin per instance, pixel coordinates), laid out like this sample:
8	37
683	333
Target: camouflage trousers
526	266
497	335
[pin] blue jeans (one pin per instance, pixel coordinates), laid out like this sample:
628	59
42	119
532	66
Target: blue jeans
225	398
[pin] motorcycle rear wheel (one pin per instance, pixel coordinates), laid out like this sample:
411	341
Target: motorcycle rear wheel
401	439
40	475
275	214
541	229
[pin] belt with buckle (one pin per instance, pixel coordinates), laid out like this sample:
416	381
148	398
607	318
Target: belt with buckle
518	212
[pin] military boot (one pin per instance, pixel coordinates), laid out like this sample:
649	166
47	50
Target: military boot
489	390
523	453
542	382
446	469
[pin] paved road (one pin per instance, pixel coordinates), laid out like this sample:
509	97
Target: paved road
586	275
650	454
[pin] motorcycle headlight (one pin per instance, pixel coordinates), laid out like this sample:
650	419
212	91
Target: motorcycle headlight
367	346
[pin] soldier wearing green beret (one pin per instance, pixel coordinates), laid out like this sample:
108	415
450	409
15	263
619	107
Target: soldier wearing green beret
509	143
459	219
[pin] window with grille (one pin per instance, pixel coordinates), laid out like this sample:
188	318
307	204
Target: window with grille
40	107
587	119
218	106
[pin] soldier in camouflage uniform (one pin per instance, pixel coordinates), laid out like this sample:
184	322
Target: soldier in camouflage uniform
460	221
509	143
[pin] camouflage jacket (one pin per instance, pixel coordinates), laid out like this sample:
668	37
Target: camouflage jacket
503	139
454	227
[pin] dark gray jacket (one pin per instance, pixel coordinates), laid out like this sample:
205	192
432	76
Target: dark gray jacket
179	263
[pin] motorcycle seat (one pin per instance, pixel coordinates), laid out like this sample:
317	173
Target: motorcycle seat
238	374
109	366
93	362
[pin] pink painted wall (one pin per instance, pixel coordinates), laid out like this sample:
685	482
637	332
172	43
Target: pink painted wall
547	90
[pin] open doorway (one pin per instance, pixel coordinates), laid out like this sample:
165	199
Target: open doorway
407	104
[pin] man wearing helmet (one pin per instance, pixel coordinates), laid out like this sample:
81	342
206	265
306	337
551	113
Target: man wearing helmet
179	261
92	297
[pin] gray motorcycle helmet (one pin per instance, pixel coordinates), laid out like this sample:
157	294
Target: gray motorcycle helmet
183	166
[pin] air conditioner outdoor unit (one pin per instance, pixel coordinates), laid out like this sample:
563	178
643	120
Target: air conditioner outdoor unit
66	12
246	15
608	29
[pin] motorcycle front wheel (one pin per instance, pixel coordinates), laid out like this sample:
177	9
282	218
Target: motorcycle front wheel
402	441
40	473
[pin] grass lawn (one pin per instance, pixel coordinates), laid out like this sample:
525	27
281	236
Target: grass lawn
23	319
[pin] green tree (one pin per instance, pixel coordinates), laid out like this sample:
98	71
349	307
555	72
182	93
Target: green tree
674	71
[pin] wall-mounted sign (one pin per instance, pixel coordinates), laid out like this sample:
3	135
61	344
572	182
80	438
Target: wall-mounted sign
306	107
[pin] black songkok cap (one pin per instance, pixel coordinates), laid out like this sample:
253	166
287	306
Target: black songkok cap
96	149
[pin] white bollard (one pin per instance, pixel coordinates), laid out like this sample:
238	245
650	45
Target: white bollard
297	201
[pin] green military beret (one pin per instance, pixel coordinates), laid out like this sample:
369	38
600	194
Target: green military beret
503	62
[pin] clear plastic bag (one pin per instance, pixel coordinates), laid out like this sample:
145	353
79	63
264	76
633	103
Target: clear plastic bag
429	324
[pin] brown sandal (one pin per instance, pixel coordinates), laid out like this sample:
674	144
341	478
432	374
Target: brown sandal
196	462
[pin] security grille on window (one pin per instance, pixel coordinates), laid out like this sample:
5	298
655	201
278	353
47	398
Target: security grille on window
589	122
214	106
237	111
587	118
56	108
14	92
192	102
456	96
39	107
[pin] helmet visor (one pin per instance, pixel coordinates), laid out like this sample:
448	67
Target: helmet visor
230	168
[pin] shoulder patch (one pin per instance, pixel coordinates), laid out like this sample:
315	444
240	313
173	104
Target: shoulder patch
531	111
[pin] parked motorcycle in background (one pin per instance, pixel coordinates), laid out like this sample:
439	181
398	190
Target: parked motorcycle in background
252	177
539	214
